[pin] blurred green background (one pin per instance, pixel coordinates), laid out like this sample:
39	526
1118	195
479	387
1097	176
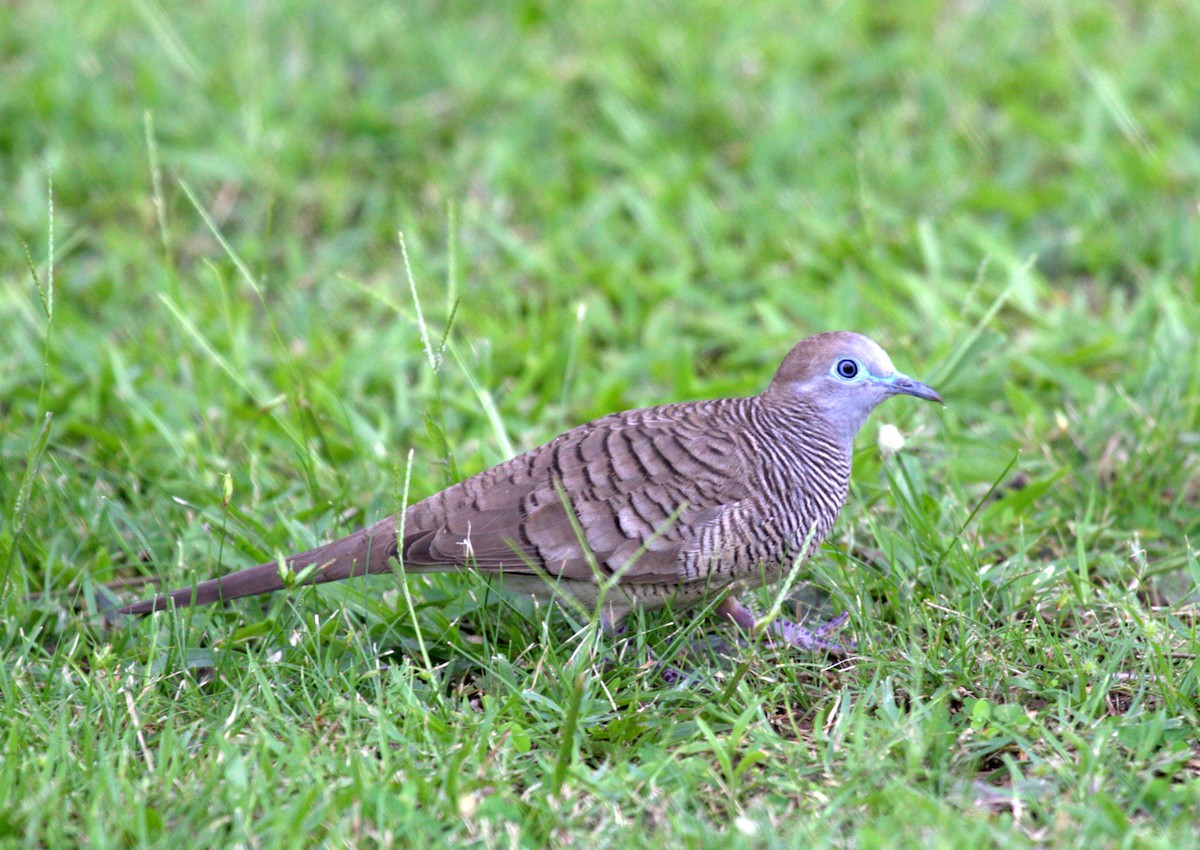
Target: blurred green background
604	206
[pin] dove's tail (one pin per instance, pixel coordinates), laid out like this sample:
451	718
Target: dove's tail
364	552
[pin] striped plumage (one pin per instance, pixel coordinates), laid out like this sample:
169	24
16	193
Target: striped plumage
681	501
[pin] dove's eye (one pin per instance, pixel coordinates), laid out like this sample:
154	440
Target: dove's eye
847	369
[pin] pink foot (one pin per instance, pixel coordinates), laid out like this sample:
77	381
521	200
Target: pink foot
792	634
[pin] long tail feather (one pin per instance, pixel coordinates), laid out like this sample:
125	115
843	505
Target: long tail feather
364	552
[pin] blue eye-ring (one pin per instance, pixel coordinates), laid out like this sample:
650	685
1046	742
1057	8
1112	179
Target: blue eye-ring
847	369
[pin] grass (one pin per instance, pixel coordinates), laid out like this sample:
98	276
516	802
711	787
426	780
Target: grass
230	353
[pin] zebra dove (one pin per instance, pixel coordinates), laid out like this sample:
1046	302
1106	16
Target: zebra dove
673	504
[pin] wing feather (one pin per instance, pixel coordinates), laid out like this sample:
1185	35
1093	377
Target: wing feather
640	486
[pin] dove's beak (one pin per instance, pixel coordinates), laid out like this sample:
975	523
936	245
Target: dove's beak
903	385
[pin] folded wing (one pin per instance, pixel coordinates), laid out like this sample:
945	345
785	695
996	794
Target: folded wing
627	493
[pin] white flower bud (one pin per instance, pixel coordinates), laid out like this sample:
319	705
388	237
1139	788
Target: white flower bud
890	440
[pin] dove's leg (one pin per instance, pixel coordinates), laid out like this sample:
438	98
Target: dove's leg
787	632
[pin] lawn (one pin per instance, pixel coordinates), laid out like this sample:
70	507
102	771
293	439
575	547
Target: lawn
271	270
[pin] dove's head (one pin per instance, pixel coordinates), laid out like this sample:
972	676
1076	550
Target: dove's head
842	376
